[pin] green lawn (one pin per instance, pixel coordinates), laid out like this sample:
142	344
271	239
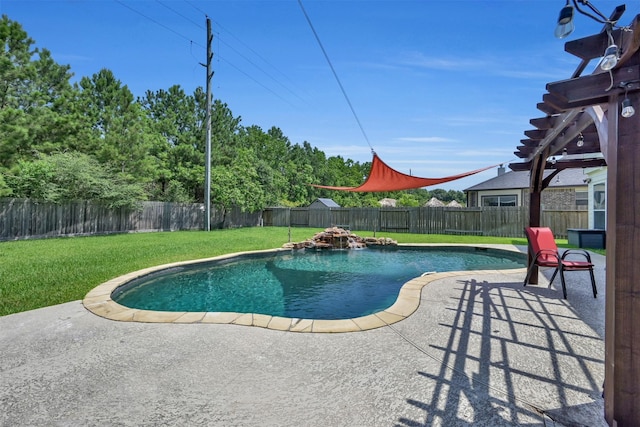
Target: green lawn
39	273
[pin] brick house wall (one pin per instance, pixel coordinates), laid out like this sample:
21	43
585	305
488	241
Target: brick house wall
559	199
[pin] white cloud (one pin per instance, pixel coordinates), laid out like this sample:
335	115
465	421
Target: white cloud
419	59
424	139
347	151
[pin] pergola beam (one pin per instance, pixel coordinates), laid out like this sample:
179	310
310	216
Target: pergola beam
543	122
591	89
591	47
562	164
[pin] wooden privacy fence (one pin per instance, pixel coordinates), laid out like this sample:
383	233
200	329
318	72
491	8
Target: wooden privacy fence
487	221
25	218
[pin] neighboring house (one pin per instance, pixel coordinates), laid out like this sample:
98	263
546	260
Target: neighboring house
323	204
567	190
597	198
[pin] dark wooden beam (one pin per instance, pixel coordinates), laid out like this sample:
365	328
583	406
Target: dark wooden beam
538	164
622	334
592	147
630	41
525	149
520	167
568	128
558	104
590	132
589	90
614	17
530	142
535	133
548	122
568	118
543	122
547	180
591	47
547	109
561	164
523	154
579	163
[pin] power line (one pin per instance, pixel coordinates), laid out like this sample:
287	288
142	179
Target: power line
256	81
195	7
221	57
159	23
222	40
335	74
259	68
180	14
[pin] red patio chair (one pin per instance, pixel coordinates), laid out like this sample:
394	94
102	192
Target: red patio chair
545	253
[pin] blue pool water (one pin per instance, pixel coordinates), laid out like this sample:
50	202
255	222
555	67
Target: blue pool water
305	284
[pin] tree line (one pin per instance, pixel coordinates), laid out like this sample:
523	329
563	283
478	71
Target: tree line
93	140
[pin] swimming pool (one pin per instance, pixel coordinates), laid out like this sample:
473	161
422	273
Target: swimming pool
327	285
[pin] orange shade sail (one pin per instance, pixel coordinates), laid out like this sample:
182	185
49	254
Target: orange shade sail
384	178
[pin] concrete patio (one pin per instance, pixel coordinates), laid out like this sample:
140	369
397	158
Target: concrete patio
480	350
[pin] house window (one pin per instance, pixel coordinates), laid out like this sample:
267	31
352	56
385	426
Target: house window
502	200
473	199
582	198
599	213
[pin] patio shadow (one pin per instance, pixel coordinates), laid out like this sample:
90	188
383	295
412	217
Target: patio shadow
510	355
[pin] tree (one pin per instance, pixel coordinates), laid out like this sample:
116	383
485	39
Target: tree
238	184
456	195
298	173
72	176
225	134
36	114
269	148
122	133
5	191
178	118
409	200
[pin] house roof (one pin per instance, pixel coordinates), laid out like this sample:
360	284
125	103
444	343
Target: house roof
513	180
328	202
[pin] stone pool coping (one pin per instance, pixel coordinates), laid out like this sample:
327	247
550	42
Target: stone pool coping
99	302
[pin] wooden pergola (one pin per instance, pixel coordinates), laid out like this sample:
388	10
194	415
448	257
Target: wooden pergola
588	107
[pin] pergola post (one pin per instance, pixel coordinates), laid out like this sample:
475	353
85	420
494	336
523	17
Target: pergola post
622	336
535	199
565	125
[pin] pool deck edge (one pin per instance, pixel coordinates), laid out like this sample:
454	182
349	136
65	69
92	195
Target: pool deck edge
99	302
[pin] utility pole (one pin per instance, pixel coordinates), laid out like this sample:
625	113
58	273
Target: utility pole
207	165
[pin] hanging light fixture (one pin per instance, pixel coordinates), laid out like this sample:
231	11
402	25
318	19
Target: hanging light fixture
627	108
610	58
580	141
611	53
565	22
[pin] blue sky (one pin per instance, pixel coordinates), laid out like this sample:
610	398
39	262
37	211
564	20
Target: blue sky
439	87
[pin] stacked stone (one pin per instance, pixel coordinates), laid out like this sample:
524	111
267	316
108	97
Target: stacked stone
339	238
